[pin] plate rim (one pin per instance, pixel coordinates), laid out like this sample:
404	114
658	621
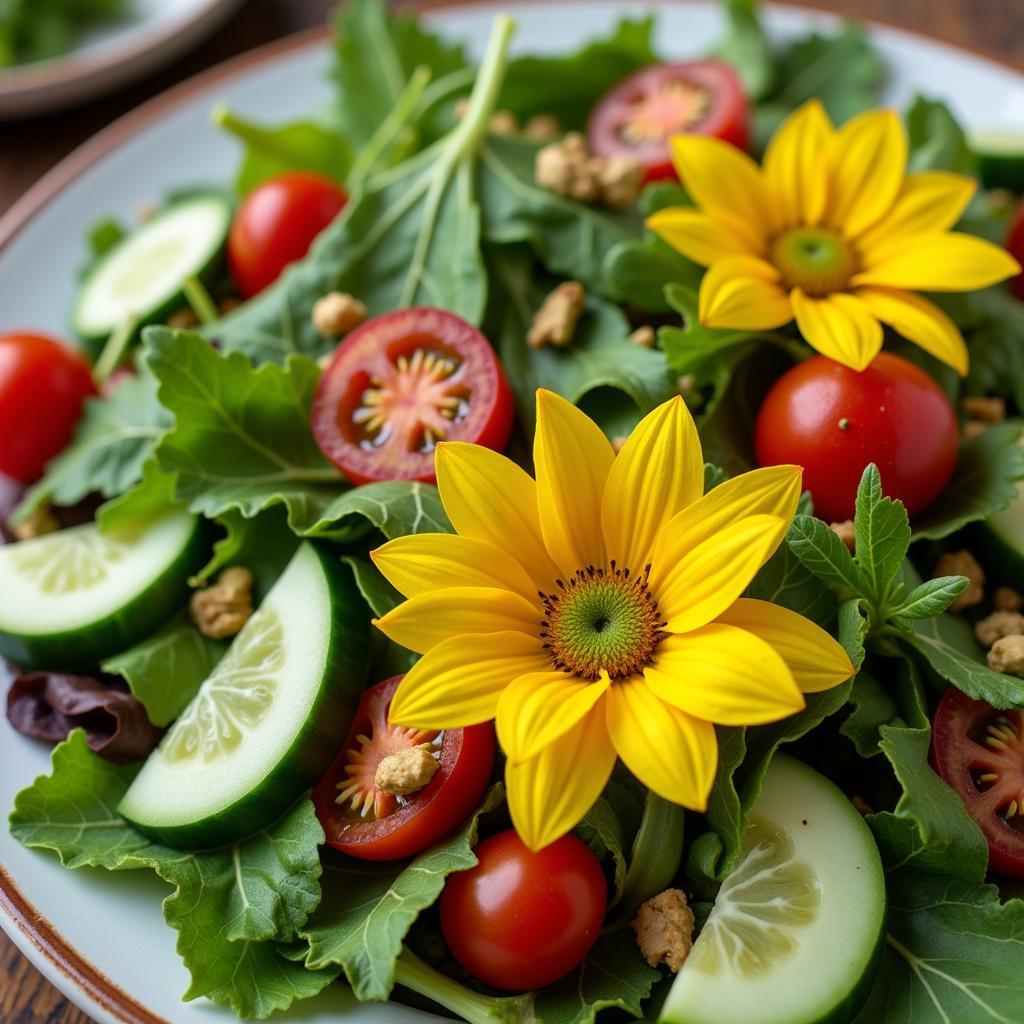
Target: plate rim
36	937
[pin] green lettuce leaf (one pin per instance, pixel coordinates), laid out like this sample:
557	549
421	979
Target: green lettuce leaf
231	907
368	909
747	48
937	142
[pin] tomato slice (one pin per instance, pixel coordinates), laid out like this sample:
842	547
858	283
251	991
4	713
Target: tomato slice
641	114
1015	244
400	383
365	822
979	752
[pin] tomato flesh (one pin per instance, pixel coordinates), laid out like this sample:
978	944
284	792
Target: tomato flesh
276	225
521	920
1015	245
834	421
43	387
362	821
640	114
979	752
400	383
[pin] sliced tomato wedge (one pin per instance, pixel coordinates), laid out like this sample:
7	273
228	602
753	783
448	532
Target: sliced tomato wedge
640	115
400	383
1015	244
362	821
979	752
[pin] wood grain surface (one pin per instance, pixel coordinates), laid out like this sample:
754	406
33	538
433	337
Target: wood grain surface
30	149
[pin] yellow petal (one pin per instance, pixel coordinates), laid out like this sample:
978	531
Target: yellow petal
928	202
425	621
704	237
539	708
817	661
919	321
459	681
422	562
670	752
940	262
572	457
725	675
772	491
869	163
549	794
796	164
489	498
659	471
723	181
839	326
743	293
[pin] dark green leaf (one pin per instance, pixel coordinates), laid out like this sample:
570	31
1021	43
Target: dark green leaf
639	270
601	830
882	537
786	581
394	507
937	142
824	554
655	857
931	598
747	48
873	707
567	86
985	481
854	624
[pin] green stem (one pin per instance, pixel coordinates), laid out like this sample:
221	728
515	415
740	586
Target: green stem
656	856
412	973
199	299
390	128
113	351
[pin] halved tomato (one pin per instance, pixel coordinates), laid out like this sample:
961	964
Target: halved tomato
365	822
1015	244
979	752
641	114
400	383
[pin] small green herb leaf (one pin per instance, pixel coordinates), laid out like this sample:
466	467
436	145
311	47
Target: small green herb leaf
882	537
824	554
931	598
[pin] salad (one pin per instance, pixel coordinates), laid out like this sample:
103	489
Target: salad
546	539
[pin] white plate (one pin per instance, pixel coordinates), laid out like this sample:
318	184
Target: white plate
107	926
149	34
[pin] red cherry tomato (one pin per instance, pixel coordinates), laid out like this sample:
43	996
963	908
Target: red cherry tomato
43	385
276	224
365	822
400	383
834	421
1015	244
521	920
979	752
641	114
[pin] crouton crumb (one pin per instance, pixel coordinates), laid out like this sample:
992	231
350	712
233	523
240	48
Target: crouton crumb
664	929
1006	599
337	313
543	128
845	532
222	609
407	771
997	625
963	563
645	337
555	322
620	178
985	410
568	168
1007	655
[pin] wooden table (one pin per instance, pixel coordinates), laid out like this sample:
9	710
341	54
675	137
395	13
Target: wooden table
28	150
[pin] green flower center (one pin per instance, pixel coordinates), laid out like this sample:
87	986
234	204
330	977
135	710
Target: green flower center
601	619
815	259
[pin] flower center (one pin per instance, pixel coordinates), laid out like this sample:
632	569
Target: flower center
815	259
602	619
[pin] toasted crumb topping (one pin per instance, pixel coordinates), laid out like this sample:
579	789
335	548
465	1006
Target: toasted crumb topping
664	929
222	609
555	322
997	625
845	532
337	313
406	772
1007	655
963	563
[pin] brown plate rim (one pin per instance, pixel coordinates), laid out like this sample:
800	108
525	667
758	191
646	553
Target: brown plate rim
30	923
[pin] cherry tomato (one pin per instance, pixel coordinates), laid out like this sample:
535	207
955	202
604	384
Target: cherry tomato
365	822
834	421
43	386
276	224
1015	244
521	920
400	383
641	114
979	752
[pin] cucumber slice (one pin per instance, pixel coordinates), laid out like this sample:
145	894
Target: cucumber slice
796	931
1000	159
1000	541
73	598
140	279
267	723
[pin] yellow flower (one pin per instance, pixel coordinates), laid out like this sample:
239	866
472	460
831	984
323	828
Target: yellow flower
831	232
597	612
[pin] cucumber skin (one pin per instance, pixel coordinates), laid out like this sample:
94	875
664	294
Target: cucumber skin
84	649
315	746
92	343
